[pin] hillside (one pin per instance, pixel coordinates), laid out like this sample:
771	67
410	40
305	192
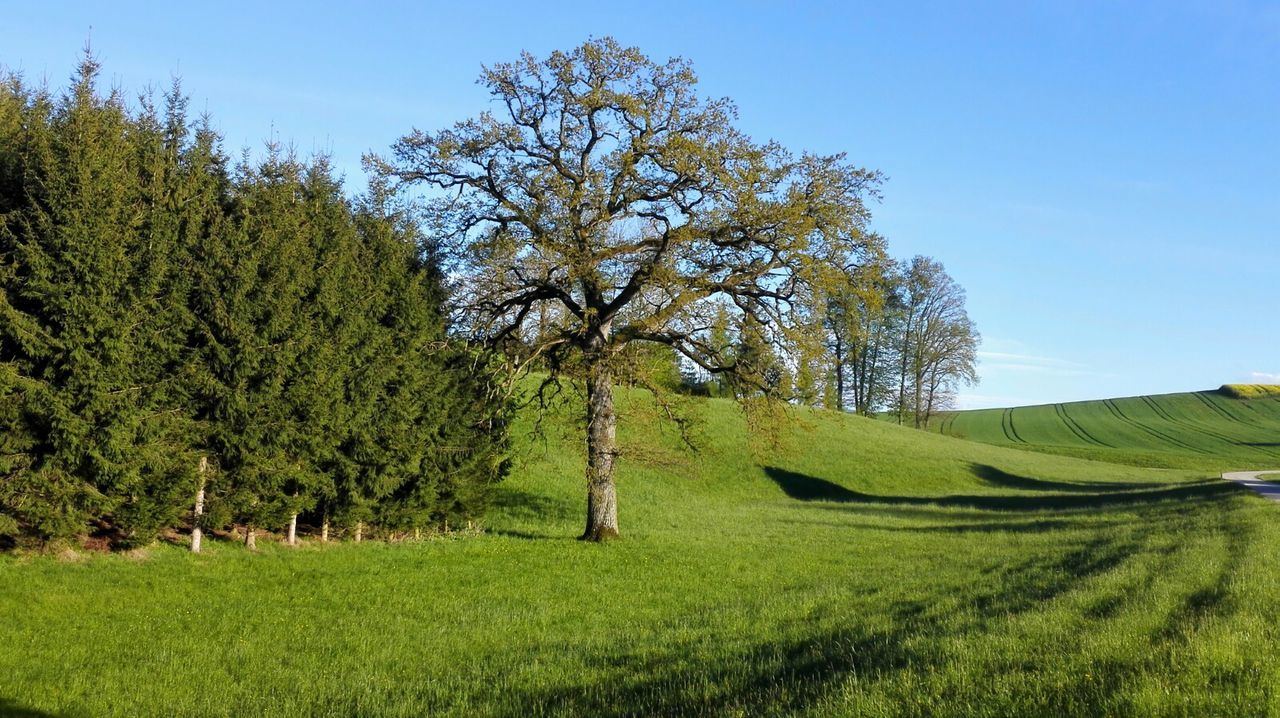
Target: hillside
1209	430
844	566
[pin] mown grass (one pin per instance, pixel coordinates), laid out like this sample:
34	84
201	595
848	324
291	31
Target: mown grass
1207	430
849	568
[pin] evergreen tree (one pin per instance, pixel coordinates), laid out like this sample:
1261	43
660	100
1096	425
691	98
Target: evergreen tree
253	273
252	345
432	440
86	267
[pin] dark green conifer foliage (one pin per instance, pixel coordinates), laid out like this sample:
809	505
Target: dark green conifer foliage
252	275
169	206
160	313
88	329
429	441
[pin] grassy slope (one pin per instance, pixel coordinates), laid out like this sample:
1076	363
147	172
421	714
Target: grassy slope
858	568
1204	430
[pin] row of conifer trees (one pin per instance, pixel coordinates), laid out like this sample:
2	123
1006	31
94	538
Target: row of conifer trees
176	327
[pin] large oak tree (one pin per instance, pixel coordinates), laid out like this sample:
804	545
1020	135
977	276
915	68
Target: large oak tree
605	202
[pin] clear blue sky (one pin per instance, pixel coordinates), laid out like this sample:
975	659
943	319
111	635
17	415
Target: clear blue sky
1102	177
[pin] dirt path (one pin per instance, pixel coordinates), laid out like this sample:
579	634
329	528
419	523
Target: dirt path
1250	479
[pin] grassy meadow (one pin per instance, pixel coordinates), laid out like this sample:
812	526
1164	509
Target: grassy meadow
1233	428
842	567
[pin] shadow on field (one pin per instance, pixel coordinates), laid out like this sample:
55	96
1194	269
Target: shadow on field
536	507
804	487
1003	479
527	535
1212	597
787	676
9	709
991	527
776	678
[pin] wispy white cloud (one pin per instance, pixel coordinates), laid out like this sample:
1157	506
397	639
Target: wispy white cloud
1029	359
1264	377
987	401
1032	364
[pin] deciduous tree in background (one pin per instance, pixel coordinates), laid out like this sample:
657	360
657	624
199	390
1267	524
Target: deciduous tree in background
898	336
940	342
857	327
605	202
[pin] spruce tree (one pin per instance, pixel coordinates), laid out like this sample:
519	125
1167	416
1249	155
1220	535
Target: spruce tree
86	259
244	346
251	276
432	441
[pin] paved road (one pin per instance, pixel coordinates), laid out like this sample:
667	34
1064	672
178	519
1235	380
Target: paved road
1250	479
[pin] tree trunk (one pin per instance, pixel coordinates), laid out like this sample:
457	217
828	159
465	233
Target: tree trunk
250	538
602	495
324	530
918	373
839	357
902	376
871	371
359	531
197	534
293	530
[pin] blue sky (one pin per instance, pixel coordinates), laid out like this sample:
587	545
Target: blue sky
1102	177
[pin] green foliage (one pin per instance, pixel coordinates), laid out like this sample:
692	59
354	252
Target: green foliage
1251	391
157	310
605	203
1192	430
93	315
865	569
896	335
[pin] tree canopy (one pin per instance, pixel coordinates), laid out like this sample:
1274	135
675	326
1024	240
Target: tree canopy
606	202
175	332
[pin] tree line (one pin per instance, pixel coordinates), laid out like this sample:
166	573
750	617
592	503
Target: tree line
883	337
188	342
899	340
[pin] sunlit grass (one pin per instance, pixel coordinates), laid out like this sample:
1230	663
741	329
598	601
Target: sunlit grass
850	568
1205	430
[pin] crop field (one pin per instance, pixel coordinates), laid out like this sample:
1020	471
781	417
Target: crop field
840	567
1251	391
1208	430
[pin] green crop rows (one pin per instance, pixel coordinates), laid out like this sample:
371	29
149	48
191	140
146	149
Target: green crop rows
1205	429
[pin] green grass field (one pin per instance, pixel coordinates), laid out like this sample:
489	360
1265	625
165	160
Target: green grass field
1206	430
850	568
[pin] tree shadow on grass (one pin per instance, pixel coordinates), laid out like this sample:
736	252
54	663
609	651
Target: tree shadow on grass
531	535
1212	597
773	678
10	709
804	487
1003	479
788	675
976	527
518	504
924	635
